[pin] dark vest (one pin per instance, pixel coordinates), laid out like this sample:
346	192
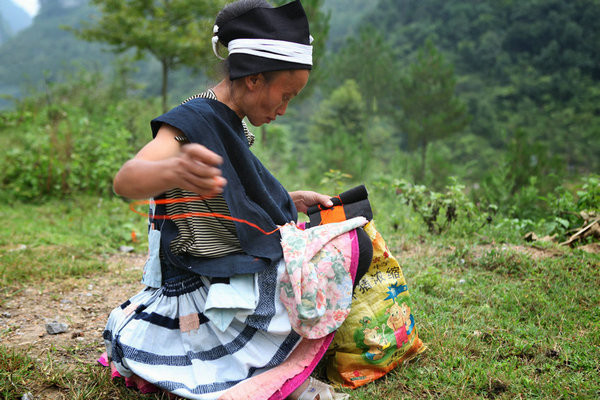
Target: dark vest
252	193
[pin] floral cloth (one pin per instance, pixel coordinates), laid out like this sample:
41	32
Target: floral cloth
316	284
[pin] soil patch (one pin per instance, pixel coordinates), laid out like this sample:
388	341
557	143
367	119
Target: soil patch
82	304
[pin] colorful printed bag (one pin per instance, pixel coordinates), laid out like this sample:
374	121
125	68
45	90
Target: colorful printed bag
380	332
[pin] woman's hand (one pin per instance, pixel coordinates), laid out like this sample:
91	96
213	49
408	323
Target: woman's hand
303	199
197	170
164	164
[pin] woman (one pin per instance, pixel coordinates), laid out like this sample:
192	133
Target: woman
210	323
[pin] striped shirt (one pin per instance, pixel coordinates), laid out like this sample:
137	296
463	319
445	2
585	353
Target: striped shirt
204	236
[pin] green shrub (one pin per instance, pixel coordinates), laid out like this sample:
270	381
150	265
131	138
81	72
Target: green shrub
440	210
71	140
566	209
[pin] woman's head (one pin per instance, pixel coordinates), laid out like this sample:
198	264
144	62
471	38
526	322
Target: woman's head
261	38
270	56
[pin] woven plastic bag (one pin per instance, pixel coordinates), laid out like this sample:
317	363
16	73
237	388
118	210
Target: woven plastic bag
380	331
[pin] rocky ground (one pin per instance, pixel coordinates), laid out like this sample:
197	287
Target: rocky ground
81	306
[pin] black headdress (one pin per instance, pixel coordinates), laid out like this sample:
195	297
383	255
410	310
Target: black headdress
266	39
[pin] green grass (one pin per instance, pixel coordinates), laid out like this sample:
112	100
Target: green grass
20	374
505	325
64	238
500	320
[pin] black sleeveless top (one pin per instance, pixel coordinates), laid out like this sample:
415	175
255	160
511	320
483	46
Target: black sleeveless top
251	194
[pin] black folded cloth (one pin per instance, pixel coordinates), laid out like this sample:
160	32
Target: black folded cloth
349	204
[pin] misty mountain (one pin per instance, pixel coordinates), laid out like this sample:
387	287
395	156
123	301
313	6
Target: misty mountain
12	19
45	52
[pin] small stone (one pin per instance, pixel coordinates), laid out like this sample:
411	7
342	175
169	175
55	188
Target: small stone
6	315
90	287
27	396
66	301
21	247
126	249
54	327
462	281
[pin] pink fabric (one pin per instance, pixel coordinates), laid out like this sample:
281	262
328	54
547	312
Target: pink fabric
276	383
103	360
294	383
134	381
316	286
355	254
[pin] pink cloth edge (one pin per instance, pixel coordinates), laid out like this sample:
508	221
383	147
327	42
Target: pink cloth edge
355	254
103	360
140	384
294	383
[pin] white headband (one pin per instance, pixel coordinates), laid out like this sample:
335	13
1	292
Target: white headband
267	48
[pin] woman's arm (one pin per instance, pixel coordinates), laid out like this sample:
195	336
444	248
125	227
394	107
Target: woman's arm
165	164
303	199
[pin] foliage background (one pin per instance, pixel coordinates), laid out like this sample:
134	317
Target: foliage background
499	99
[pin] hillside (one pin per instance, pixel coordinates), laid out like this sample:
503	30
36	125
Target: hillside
44	53
12	19
528	71
345	17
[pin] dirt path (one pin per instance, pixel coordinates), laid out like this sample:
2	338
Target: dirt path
82	304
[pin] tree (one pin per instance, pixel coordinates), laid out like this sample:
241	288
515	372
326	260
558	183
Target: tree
370	60
338	133
429	108
175	32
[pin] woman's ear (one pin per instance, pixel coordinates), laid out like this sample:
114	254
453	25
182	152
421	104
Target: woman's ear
253	81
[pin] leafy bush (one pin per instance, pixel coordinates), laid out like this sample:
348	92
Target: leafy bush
589	194
71	154
71	140
439	210
567	210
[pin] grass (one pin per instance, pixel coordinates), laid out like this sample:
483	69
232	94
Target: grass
501	320
64	238
505	325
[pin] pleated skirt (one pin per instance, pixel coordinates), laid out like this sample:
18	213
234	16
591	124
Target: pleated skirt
162	336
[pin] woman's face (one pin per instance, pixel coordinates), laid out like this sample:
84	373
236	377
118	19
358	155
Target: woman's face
270	98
